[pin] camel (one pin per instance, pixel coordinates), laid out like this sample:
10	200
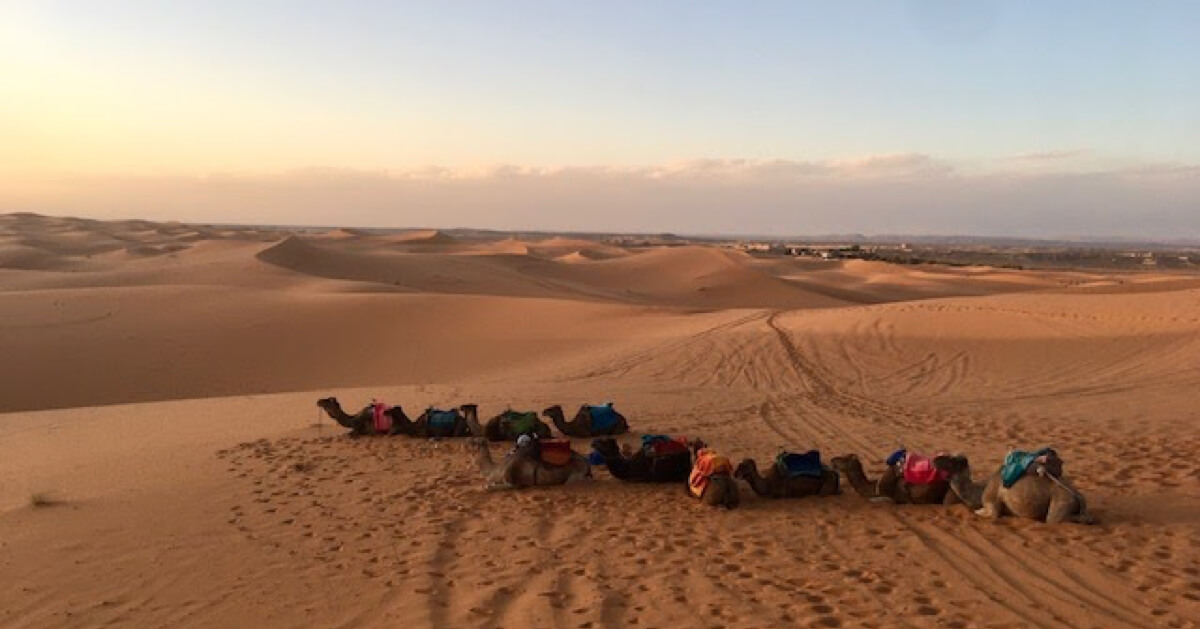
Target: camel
362	423
525	471
891	486
776	485
722	491
499	428
422	427
582	425
640	467
713	472
1041	494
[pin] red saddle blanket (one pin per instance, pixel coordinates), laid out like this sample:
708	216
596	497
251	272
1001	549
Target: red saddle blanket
708	464
555	452
919	470
381	421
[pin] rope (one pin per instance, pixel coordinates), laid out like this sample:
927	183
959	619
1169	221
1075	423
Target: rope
1042	472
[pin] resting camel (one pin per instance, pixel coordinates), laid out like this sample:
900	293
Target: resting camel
776	485
581	425
1036	495
499	428
424	427
719	488
363	422
525	472
891	486
640	467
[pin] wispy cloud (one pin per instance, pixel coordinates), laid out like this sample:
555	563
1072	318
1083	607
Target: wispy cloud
903	193
1050	156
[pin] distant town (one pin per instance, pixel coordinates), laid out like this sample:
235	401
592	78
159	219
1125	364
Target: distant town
1018	257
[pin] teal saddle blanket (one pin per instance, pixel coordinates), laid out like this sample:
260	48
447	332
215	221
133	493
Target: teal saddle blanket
442	419
1017	462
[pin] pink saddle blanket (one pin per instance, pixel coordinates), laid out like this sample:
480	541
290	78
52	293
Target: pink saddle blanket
919	470
380	419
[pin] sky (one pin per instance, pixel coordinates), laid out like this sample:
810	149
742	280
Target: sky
1043	118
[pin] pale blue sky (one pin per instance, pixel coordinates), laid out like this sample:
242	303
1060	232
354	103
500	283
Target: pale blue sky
189	88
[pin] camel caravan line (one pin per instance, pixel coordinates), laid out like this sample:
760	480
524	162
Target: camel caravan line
1027	484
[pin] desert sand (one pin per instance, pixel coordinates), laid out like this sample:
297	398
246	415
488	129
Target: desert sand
162	462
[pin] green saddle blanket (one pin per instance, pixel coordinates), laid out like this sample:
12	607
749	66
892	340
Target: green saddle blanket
521	423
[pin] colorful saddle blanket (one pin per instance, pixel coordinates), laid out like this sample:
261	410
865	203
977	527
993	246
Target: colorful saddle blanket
795	464
442	420
521	423
659	445
380	420
708	464
603	417
556	452
919	470
1017	462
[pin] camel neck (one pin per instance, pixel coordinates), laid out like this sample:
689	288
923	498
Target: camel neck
967	490
863	485
757	482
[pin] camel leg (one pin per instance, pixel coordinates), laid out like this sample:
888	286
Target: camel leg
831	485
992	506
889	484
1060	510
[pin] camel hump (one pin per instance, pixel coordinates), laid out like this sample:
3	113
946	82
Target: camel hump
1017	462
604	416
796	464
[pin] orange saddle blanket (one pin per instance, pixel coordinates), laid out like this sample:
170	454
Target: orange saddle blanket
555	452
708	464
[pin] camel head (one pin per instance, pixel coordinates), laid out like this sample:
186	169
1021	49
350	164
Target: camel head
952	465
328	403
746	469
607	447
846	463
552	411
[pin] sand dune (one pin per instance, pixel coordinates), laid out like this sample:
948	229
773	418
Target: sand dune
423	237
157	398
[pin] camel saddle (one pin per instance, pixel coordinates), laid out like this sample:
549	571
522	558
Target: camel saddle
916	468
521	423
380	420
603	416
442	419
796	464
1018	462
708	464
555	452
662	445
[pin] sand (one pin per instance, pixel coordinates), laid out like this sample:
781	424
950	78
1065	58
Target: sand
157	404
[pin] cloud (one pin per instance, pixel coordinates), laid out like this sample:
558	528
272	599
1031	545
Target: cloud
1050	156
904	193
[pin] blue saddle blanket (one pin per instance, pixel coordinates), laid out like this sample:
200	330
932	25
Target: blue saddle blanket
603	417
1017	462
442	419
793	464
